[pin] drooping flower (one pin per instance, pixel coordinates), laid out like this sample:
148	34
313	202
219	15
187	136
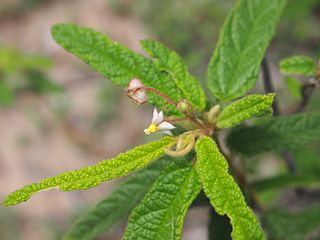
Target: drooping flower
158	124
136	92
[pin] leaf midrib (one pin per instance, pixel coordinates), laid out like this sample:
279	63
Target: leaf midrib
173	201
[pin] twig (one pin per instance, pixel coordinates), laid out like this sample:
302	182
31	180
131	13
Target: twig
268	86
266	76
306	91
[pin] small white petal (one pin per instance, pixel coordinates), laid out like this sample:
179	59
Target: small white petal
141	97
159	118
167	132
155	116
165	126
134	84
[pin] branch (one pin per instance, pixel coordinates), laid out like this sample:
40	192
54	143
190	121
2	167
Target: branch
268	86
307	91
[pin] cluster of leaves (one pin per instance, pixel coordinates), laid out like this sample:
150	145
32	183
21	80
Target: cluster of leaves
203	17
21	72
198	21
158	195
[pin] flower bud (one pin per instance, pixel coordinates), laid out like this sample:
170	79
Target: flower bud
213	113
136	91
185	107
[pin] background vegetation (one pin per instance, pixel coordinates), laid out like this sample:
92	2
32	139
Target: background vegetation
66	116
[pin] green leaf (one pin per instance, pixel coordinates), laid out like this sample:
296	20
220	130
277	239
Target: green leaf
224	193
6	94
285	225
307	160
91	176
294	87
171	63
161	213
115	61
298	65
118	204
275	134
285	181
245	35
244	109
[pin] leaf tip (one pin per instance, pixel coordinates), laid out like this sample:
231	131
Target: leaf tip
271	97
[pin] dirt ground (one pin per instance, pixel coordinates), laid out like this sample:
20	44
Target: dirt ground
35	145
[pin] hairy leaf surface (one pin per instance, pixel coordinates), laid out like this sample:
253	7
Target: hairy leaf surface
245	35
93	175
115	61
298	65
118	204
245	109
275	134
224	193
161	213
171	63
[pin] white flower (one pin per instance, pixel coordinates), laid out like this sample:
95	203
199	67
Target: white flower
158	124
136	91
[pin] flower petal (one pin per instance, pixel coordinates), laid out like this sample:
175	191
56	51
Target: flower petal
160	118
155	116
165	126
166	132
134	84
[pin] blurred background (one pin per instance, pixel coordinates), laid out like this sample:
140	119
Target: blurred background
57	114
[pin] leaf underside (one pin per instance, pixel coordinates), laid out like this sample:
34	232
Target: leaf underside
275	134
91	176
244	37
118	204
116	62
224	193
161	213
244	109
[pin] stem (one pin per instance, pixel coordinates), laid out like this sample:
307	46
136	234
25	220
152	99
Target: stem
306	91
191	118
155	91
176	120
268	86
187	119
